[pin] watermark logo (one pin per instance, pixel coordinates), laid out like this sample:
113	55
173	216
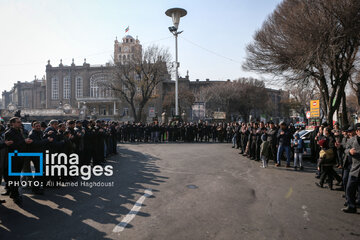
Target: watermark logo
17	154
59	164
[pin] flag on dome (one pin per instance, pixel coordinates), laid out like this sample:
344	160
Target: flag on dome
127	29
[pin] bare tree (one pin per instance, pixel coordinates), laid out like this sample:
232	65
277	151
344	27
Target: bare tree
219	97
251	98
242	96
310	41
355	85
300	97
136	79
186	100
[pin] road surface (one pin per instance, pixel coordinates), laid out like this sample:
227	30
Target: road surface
184	191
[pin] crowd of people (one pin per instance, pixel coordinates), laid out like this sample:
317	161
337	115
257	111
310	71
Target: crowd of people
94	141
175	132
330	147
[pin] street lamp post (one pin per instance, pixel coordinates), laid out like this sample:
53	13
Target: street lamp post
176	14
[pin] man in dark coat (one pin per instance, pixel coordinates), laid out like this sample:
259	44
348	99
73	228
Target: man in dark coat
37	146
99	136
272	138
283	141
3	169
19	144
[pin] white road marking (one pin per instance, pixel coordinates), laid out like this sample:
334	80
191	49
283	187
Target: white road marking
131	215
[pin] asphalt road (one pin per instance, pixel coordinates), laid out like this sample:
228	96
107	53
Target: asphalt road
184	191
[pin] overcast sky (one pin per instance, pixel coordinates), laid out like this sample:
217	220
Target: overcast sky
211	46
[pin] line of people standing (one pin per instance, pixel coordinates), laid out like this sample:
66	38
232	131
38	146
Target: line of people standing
93	141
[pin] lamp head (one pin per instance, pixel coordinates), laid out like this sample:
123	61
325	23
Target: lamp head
176	14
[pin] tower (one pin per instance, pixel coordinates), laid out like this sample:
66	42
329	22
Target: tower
127	49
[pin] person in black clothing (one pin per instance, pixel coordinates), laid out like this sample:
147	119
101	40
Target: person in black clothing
78	140
99	136
214	135
252	144
3	145
38	145
272	138
56	145
337	133
242	138
283	141
19	144
88	142
113	137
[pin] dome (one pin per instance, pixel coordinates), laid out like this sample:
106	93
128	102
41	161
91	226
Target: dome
129	36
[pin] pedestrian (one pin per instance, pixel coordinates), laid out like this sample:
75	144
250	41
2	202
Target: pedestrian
264	148
3	145
15	135
354	175
283	139
38	146
326	162
298	152
346	143
272	138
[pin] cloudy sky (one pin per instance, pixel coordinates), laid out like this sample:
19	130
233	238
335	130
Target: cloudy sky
211	46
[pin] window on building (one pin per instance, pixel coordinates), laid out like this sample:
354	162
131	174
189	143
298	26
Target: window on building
24	100
119	49
54	88
102	110
126	112
66	89
94	88
79	87
98	88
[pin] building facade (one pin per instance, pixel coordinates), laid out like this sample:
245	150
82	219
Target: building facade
25	95
79	90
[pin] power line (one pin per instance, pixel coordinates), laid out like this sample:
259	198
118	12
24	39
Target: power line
161	39
210	51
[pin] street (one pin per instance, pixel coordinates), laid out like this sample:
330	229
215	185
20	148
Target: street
184	191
